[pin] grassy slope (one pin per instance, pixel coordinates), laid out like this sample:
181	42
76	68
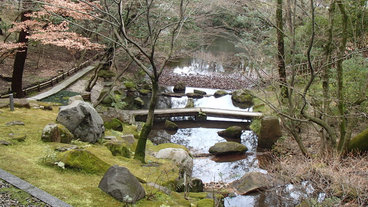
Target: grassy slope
23	159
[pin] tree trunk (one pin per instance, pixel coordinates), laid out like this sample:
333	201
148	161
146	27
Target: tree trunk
281	50
326	71
141	146
340	77
19	61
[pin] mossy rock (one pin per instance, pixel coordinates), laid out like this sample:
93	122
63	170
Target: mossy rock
138	102
194	95
56	133
84	161
242	98
118	149
114	124
170	126
144	92
255	126
359	142
206	203
190	103
106	74
220	93
224	148
233	132
179	87
199	92
130	85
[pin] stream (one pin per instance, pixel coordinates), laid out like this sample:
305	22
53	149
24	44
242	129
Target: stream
199	136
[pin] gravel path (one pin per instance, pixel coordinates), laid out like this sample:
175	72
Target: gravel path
7	199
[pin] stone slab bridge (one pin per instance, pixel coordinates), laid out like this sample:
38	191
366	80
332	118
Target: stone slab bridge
200	113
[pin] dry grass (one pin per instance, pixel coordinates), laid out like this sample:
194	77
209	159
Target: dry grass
345	178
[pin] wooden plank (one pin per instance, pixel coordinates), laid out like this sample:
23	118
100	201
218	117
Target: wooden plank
225	113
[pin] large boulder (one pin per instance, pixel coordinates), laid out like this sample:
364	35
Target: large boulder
251	182
223	148
359	142
269	133
56	133
82	120
233	132
122	185
242	98
180	157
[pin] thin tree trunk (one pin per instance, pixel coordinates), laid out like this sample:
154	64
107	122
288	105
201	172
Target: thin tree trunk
326	71
19	61
340	77
141	146
281	50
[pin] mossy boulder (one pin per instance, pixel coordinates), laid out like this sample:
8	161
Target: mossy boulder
251	182
118	149
359	142
170	126
114	124
130	85
269	132
224	148
190	103
56	133
203	93
242	98
107	74
138	102
179	87
233	132
84	161
144	92
194	95
220	93
206	203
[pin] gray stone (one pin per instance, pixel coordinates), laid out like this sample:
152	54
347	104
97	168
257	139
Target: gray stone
181	157
13	123
179	88
56	133
66	148
220	93
223	148
122	185
5	143
82	120
22	103
251	182
129	139
269	133
199	92
75	98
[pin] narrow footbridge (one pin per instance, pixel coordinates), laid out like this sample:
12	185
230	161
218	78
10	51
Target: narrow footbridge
196	112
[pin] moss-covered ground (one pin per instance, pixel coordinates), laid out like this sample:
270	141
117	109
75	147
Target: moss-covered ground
28	159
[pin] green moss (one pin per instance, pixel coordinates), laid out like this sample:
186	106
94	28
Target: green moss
144	91
85	161
220	93
255	126
129	85
359	142
106	74
171	126
118	149
168	145
131	129
205	203
200	195
114	124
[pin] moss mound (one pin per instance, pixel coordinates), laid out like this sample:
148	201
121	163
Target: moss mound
85	161
170	126
114	124
118	149
242	98
359	142
56	133
220	93
206	203
169	145
233	132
